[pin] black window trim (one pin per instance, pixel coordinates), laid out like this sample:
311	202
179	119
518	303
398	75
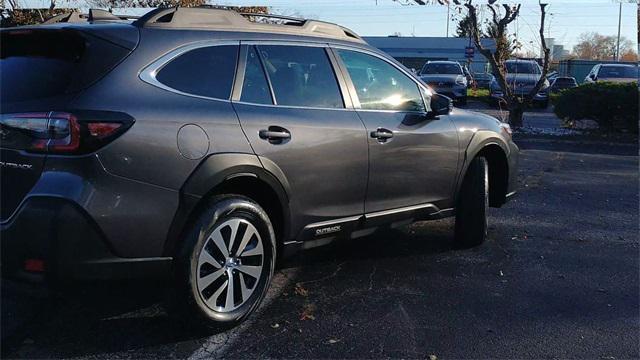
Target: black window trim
352	89
149	73
342	83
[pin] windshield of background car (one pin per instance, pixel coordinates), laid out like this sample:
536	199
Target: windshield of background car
442	69
522	68
618	72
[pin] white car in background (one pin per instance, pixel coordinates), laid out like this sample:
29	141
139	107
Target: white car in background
620	73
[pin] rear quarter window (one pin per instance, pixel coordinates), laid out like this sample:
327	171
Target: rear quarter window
38	64
206	71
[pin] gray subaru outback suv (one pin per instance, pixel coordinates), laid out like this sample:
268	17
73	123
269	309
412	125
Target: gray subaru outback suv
200	145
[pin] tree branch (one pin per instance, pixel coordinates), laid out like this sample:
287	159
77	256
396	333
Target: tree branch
545	63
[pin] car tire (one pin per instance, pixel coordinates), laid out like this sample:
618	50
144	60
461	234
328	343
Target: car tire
472	205
200	293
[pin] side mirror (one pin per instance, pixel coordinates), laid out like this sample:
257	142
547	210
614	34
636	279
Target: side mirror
440	105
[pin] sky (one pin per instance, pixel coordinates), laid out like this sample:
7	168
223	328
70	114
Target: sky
567	20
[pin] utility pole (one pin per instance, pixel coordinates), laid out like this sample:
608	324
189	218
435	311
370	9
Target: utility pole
448	7
619	22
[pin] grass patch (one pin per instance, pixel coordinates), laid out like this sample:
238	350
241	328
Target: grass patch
478	93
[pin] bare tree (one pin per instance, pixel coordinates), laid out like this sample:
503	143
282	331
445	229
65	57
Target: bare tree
14	14
497	58
499	22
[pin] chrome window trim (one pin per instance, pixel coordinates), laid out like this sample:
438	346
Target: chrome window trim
292	106
148	74
305	43
385	59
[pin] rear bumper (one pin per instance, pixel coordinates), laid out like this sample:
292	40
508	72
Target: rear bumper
60	235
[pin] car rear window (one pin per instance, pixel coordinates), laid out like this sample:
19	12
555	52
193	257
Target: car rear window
206	71
38	64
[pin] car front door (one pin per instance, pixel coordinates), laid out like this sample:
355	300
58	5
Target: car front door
413	158
298	123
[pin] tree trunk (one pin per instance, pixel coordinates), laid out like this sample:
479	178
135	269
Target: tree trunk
516	112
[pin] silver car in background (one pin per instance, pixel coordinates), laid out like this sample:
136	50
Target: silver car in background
522	76
446	78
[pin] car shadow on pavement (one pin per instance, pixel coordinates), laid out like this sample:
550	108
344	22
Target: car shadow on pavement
91	319
88	319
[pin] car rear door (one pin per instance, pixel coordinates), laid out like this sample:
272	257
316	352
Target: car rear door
413	158
299	123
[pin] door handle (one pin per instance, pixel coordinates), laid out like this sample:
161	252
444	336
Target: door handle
382	134
275	134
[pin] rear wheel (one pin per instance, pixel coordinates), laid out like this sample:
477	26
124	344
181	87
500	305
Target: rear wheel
473	202
225	265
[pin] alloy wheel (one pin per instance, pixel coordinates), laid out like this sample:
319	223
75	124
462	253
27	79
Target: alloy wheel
230	265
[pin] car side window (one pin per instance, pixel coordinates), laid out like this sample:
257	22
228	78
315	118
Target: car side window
206	71
301	76
381	86
255	88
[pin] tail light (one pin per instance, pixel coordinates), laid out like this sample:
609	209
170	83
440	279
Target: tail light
62	132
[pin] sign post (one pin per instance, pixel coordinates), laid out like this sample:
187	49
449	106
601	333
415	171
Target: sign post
469	52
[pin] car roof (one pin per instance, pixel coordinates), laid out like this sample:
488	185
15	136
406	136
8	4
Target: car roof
618	65
443	62
213	19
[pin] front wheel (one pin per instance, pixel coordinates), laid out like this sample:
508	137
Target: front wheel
473	202
225	265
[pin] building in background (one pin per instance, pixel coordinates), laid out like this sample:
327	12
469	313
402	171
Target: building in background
558	52
413	52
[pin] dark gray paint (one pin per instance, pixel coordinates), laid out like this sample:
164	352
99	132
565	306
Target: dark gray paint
141	190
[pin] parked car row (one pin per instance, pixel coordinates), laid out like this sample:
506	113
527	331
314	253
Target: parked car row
452	79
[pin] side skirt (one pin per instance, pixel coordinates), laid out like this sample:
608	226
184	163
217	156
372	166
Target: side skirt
325	232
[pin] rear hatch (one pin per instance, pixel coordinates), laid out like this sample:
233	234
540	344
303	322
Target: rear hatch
41	70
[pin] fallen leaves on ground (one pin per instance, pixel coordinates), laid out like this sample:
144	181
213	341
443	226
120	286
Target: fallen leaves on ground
307	312
301	291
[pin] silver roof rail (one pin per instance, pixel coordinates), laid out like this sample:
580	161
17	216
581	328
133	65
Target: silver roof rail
213	18
93	15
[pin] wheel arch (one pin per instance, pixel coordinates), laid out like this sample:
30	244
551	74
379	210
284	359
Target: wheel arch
241	174
495	151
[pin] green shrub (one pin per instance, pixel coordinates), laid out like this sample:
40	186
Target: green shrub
613	106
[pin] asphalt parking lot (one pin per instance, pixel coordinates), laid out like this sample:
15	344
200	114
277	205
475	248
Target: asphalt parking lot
558	278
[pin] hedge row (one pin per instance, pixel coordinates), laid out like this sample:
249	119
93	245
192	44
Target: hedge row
614	106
